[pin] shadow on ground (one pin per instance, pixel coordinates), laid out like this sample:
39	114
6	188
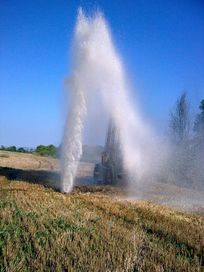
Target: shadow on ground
46	178
49	179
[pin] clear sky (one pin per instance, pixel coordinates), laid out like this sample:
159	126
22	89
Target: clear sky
161	43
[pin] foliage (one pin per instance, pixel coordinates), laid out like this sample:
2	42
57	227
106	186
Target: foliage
42	150
49	150
199	121
186	160
22	150
14	149
11	148
179	120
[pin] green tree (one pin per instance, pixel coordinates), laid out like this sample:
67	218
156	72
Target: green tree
199	121
21	149
11	148
44	150
179	120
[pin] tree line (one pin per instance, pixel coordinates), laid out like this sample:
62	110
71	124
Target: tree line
42	150
186	137
187	143
181	126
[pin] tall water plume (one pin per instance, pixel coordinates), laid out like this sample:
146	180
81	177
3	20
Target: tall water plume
97	70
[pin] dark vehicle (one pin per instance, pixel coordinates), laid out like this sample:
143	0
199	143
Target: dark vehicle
110	170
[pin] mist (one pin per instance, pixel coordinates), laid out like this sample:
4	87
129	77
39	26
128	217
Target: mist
99	92
98	75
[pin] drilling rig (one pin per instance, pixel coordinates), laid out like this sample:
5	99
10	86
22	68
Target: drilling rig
110	170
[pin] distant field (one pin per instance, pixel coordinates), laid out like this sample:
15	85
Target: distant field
92	229
46	171
27	161
38	169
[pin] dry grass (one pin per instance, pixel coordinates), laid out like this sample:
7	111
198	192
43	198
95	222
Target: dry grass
90	230
27	161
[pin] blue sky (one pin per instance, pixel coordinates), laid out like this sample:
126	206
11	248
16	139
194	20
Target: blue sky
161	44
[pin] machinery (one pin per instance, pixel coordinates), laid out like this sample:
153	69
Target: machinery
110	170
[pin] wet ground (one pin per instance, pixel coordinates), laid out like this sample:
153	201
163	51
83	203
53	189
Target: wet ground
46	171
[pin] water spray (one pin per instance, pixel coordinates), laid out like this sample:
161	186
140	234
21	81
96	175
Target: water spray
97	69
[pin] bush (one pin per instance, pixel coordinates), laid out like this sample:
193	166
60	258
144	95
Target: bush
44	150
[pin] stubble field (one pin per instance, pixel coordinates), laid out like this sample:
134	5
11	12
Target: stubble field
95	228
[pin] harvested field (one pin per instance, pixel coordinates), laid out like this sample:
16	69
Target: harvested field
95	228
